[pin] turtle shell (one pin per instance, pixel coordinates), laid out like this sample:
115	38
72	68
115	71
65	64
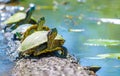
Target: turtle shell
36	39
16	18
22	28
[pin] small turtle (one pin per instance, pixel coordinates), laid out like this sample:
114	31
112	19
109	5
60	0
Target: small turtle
42	42
38	27
20	18
24	30
18	32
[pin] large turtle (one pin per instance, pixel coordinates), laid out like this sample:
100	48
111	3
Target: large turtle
42	42
20	18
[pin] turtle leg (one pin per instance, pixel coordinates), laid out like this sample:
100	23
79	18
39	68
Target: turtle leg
22	55
14	27
17	36
5	28
63	50
26	54
45	28
32	21
14	37
9	26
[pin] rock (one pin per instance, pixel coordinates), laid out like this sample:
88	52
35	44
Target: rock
49	66
2	6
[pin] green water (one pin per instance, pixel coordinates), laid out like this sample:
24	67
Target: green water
68	15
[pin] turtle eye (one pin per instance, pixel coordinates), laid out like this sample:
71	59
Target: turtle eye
50	32
42	18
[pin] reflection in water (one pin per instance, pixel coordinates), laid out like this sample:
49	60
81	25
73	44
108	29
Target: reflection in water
107	20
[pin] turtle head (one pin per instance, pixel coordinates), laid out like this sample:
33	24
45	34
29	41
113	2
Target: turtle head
32	6
41	22
41	19
29	12
52	34
30	9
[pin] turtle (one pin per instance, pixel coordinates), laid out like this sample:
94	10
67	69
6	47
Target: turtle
24	30
38	27
18	32
41	42
20	18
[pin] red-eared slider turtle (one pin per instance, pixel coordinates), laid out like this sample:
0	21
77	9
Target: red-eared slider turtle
24	30
18	32
38	27
42	42
20	18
